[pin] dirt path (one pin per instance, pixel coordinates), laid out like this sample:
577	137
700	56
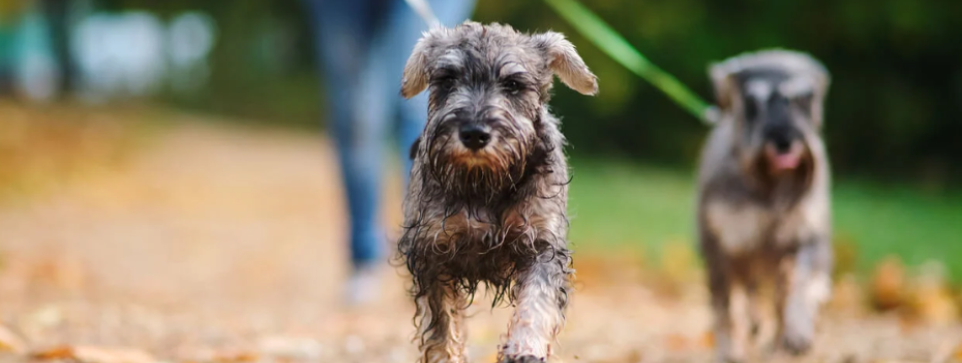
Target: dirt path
222	243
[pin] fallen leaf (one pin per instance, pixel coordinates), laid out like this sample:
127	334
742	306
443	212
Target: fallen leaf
290	347
949	351
846	255
619	266
221	356
91	354
61	271
10	342
676	343
888	284
46	316
235	357
848	295
54	353
708	340
931	300
679	261
935	307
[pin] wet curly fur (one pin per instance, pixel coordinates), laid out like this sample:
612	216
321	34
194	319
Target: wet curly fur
478	195
495	215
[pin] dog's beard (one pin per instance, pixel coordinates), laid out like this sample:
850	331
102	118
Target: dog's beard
476	176
787	184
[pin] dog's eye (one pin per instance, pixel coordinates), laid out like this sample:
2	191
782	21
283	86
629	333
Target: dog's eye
804	101
512	86
446	82
751	108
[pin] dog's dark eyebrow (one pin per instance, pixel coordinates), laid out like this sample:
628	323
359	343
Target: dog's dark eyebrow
446	70
522	77
448	67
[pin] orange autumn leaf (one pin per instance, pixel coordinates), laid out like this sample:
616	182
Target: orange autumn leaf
235	357
54	353
888	284
91	354
708	340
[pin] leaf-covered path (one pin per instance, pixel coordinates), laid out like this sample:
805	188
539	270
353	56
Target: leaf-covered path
224	243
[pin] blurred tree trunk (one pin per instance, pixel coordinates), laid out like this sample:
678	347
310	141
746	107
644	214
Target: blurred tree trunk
57	13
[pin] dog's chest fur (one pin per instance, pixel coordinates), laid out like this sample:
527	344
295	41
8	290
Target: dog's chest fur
486	242
473	240
742	217
741	228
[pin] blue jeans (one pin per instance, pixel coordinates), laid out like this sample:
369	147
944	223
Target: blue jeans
362	47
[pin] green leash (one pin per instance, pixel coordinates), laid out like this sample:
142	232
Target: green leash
606	38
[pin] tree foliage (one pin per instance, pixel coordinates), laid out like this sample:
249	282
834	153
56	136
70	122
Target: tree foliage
894	109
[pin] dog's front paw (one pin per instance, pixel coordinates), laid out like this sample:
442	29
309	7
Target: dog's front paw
523	359
729	357
795	343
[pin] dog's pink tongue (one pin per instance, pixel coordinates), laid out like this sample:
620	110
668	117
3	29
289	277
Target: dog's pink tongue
786	161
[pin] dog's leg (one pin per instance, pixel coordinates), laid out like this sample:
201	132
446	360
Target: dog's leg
745	302
441	330
720	284
540	297
755	312
742	320
804	284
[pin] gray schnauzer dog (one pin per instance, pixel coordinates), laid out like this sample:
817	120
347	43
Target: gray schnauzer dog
488	192
763	208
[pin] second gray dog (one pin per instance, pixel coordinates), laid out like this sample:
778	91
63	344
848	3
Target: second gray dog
763	208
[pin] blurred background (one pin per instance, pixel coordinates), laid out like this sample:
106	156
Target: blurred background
156	135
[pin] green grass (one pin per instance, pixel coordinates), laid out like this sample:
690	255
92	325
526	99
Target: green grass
620	205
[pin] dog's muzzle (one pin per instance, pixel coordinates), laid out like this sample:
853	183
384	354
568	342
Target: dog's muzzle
784	148
474	136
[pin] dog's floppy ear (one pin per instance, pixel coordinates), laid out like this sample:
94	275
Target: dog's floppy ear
413	152
726	89
822	81
415	77
565	62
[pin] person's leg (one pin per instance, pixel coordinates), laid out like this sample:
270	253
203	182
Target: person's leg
342	31
402	29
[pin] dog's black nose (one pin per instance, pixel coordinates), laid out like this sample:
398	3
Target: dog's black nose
782	144
781	136
474	136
